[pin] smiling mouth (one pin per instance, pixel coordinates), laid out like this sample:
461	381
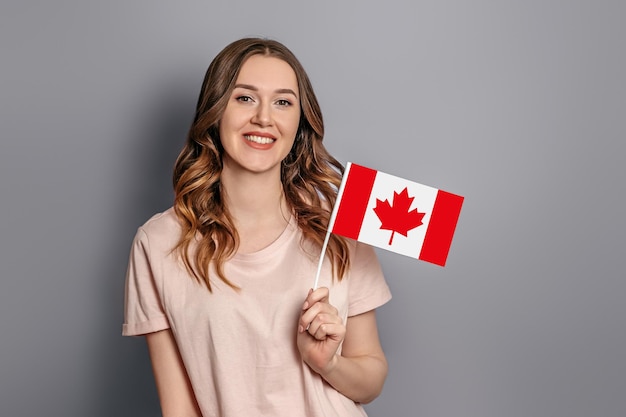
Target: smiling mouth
259	139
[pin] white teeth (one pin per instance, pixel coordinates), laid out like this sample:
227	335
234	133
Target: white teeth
258	139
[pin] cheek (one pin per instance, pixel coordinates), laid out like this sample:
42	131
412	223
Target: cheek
229	127
291	124
223	123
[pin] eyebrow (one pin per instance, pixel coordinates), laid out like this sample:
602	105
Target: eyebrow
279	91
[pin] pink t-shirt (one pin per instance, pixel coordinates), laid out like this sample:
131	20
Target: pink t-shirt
239	348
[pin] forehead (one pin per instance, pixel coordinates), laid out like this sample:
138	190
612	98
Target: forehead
267	72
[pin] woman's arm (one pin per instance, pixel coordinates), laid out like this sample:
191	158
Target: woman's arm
360	371
173	386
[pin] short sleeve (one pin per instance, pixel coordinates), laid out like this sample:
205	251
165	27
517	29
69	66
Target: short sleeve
143	309
368	288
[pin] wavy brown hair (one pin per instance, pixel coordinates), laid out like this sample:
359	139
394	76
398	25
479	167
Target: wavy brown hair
310	175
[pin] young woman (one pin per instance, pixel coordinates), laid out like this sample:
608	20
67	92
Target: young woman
220	283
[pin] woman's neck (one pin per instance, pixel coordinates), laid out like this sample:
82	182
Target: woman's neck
258	207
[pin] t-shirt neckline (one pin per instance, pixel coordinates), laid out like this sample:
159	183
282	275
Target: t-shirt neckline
273	247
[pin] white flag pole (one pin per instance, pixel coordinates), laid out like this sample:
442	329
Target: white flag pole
331	223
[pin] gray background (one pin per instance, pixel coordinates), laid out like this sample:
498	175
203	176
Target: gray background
517	105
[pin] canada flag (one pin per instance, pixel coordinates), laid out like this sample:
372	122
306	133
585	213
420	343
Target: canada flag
395	214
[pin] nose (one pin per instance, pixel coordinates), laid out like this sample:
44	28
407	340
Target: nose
263	115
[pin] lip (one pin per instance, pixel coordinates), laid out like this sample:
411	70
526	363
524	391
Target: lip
261	134
259	140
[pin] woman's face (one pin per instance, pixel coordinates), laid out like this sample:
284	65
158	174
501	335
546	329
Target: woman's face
260	122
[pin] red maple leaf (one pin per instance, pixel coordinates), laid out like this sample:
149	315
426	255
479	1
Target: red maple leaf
398	218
